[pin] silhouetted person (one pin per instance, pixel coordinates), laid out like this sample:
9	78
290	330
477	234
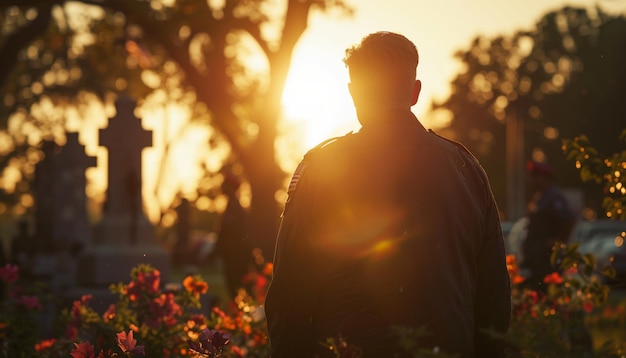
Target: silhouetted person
391	226
550	219
233	246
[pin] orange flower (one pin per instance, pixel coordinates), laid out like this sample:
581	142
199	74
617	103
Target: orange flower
269	268
510	260
43	345
554	278
195	286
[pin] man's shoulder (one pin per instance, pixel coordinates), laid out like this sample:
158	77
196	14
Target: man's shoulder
450	144
330	145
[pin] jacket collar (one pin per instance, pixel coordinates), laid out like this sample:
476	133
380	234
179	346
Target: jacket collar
392	121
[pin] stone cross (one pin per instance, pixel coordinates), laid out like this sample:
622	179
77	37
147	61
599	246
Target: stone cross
61	215
45	174
124	236
125	139
71	221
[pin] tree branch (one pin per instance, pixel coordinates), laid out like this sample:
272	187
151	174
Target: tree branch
15	42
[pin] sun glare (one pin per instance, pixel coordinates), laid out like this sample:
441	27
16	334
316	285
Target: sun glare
316	98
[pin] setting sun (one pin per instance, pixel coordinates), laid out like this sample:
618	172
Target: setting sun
316	97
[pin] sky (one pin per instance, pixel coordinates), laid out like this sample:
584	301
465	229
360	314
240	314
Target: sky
316	94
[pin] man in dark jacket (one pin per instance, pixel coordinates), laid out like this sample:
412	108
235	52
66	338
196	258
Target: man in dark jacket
391	226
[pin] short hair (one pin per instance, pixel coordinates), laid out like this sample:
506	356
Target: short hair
385	59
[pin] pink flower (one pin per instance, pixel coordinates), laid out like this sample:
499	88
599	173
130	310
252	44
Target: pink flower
9	273
83	350
128	344
30	302
109	314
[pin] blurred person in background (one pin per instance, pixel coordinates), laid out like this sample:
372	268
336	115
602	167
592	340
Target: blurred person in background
550	219
233	248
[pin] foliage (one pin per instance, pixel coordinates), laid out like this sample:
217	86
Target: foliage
20	303
561	79
169	323
609	171
553	324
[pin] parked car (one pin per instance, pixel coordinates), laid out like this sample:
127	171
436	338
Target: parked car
605	239
585	230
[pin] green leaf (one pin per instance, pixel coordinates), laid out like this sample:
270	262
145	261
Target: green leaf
609	271
590	260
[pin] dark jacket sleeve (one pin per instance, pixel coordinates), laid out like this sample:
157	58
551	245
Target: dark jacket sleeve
493	301
291	295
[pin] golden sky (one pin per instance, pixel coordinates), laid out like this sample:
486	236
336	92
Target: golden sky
316	92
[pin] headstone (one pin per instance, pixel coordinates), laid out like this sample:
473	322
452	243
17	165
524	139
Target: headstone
61	219
72	227
181	251
45	179
125	237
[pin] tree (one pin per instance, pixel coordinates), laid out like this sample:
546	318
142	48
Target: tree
55	51
563	79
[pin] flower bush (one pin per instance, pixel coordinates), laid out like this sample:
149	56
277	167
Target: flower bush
149	320
20	304
168	323
554	323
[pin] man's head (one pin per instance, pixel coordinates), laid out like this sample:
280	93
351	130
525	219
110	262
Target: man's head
382	71
541	175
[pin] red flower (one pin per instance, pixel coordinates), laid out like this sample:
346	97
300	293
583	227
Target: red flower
163	309
146	282
128	344
588	306
71	332
43	345
554	278
151	280
30	302
9	273
83	350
